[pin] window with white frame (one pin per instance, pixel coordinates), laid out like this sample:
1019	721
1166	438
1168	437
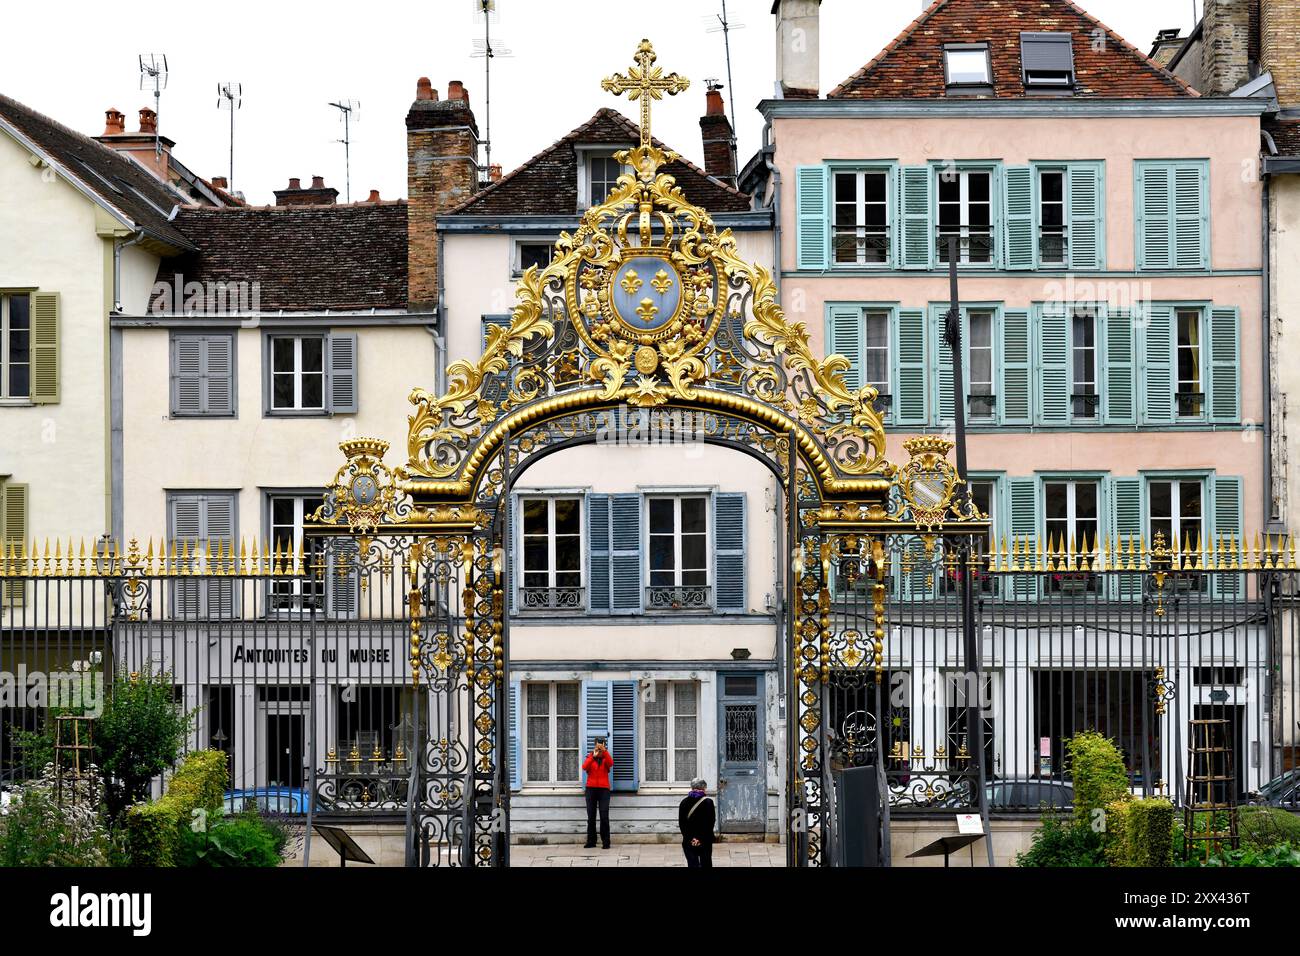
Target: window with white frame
983	492
875	352
671	737
297	373
286	514
550	720
967	65
602	176
1072	513
529	253
1190	391
861	228
1176	509
551	532
15	346
1084	397
966	211
980	359
679	545
1051	217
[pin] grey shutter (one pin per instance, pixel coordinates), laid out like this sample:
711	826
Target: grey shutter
202	375
187	375
595	714
342	589
512	730
219	375
625	553
494	386
1019	215
219	532
342	366
729	552
186	520
1046	52
622	737
598	577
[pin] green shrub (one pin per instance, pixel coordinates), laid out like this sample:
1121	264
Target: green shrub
1062	842
243	840
1140	832
138	736
1097	773
1284	854
153	829
1264	827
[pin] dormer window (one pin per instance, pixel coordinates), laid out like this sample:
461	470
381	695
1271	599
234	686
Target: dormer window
1047	61
967	69
598	172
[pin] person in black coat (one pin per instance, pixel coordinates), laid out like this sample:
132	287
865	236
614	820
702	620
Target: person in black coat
696	817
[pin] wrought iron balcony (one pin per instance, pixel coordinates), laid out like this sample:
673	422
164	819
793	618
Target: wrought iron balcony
861	245
674	598
552	599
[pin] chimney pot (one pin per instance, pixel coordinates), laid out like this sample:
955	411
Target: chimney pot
713	103
374	196
148	120
220	182
424	89
318	182
456	91
114	121
494	172
295	182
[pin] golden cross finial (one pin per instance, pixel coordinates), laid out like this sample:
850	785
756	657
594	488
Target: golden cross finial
645	82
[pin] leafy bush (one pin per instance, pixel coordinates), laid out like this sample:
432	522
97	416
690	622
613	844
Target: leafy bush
36	831
1140	833
153	830
1284	854
242	840
1062	842
139	735
1097	772
1264	827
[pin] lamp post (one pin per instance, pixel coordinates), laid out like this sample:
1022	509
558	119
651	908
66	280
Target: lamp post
970	642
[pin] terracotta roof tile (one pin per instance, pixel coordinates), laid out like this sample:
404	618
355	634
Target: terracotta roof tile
911	66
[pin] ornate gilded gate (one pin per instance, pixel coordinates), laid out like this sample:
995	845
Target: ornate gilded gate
646	312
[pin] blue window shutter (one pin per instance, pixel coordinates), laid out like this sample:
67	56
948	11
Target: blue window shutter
1191	219
512	733
1226	500
1054	367
919	580
845	334
945	412
494	386
1225	370
917	230
1126	526
342	372
1085	209
1154	216
595	710
1019	217
625	553
1158	366
1015	394
729	552
1118	362
813	217
909	369
598	577
622	738
1022	503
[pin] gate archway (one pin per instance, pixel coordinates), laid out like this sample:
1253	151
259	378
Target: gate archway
647	312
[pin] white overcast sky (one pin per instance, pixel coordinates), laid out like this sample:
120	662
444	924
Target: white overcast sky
293	58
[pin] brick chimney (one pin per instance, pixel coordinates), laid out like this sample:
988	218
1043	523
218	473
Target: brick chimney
798	37
1279	53
317	195
220	182
719	139
441	172
1225	46
374	196
139	144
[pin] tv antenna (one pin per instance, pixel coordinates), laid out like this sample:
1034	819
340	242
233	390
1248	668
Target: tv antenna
153	72
230	96
348	111
725	26
484	48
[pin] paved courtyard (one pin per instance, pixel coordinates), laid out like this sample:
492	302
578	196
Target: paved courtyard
645	854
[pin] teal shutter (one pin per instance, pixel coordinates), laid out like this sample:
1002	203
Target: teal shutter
512	735
1016	394
1085	209
1126	525
945	410
1191	216
595	710
813	217
343	372
1154	219
909	369
1225	370
1226	500
625	553
1118	407
1158	366
729	553
845	333
598	593
1019	215
917	243
1054	368
1022	503
919	582
622	737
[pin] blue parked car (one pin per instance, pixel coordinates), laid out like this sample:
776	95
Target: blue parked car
283	800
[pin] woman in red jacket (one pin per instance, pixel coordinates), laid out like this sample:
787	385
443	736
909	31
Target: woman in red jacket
597	766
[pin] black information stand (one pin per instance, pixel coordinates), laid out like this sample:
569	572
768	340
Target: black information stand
343	844
946	845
